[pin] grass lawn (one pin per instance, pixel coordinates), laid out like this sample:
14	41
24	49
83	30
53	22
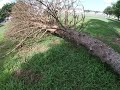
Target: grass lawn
54	64
2	29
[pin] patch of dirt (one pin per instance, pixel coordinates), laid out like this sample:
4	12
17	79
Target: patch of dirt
56	42
117	41
36	48
26	51
28	76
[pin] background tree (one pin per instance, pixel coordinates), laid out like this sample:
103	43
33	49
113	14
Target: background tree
5	11
108	10
116	9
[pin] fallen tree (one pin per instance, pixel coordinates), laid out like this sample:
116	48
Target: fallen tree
34	18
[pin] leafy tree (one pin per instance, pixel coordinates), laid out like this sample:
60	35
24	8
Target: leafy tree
5	11
116	9
108	10
87	10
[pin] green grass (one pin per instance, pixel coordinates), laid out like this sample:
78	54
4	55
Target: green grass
63	66
106	30
2	29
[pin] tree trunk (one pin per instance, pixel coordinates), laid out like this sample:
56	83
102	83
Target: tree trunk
66	17
100	49
118	18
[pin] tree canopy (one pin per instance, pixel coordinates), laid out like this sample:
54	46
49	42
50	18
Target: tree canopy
5	11
116	9
113	10
108	10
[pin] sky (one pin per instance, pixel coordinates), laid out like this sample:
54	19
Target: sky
96	5
2	2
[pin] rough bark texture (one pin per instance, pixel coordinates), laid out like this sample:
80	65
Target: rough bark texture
103	51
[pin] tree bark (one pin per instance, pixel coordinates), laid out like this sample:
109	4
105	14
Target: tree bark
95	46
118	18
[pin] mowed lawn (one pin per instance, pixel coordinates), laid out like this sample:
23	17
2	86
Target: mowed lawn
2	29
55	64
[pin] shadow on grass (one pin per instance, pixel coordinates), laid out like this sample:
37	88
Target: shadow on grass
63	67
